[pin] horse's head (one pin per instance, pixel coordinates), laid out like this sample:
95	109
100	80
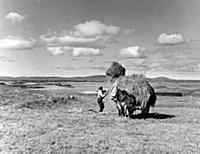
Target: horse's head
121	95
117	94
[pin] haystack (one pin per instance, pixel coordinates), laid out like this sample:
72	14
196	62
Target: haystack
136	85
116	70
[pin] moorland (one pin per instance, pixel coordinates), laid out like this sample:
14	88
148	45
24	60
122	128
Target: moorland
60	115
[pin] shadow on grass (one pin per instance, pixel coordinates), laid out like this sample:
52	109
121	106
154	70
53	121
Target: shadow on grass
153	116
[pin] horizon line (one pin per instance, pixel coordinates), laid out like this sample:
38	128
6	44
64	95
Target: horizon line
83	76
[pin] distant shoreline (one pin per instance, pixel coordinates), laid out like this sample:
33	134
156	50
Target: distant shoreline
94	78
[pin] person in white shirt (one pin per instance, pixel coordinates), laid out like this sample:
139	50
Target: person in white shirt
100	96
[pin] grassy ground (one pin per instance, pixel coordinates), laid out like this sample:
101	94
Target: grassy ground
50	122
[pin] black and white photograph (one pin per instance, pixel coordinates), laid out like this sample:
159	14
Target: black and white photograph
99	76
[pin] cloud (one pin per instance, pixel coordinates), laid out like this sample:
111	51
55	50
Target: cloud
180	58
86	52
67	40
170	39
91	34
138	65
85	39
17	43
94	28
54	51
74	51
15	17
133	52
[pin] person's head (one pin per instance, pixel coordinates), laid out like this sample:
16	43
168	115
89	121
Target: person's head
101	88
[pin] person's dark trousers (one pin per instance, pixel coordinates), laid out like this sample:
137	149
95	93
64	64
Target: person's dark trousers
101	104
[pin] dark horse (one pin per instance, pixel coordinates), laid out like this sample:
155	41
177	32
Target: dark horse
126	104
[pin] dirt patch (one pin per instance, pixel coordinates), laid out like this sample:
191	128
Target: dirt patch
50	103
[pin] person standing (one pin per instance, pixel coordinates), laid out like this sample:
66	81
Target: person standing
100	96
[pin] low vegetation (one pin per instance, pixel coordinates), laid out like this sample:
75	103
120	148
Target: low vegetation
44	121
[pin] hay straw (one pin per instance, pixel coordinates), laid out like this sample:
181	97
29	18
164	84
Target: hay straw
136	85
116	70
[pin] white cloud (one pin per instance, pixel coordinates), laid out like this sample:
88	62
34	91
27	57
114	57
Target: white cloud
15	17
80	51
170	39
86	52
85	33
94	28
85	39
16	43
58	50
55	50
134	51
67	40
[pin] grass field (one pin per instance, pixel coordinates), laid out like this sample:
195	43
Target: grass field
49	121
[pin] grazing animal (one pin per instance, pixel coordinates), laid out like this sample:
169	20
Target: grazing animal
125	103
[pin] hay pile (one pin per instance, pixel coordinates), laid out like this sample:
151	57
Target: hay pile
136	85
116	70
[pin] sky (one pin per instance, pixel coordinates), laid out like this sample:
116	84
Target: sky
83	37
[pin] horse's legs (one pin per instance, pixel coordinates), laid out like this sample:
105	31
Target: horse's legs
126	112
124	108
119	108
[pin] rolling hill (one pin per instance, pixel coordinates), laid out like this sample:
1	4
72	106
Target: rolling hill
94	78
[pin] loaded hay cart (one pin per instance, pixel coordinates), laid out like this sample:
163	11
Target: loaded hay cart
135	85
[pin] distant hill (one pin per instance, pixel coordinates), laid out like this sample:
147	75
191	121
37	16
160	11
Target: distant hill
165	79
160	79
94	78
